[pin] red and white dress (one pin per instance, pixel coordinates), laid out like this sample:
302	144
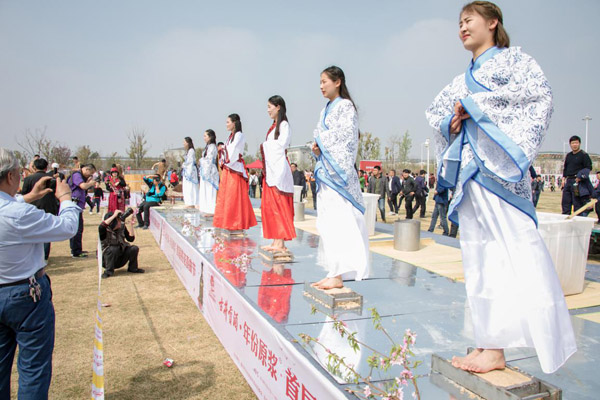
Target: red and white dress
277	205
234	210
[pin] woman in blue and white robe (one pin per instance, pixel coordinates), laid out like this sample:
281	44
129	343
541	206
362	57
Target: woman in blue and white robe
491	122
340	216
190	174
208	175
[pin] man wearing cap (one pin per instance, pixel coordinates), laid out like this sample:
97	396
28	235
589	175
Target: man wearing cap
26	310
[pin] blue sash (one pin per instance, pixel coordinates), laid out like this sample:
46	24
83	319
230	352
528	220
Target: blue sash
328	171
477	124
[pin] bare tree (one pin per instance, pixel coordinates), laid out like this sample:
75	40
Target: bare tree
22	158
138	146
36	142
60	154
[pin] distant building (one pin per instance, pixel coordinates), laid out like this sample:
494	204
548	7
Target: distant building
174	156
552	162
301	155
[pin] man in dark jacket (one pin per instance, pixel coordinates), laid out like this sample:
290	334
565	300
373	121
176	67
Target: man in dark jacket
421	193
575	161
299	179
409	187
440	195
377	186
48	203
116	249
392	188
537	187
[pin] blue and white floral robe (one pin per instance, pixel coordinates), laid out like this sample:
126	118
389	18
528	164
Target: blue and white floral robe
340	206
515	298
190	179
209	179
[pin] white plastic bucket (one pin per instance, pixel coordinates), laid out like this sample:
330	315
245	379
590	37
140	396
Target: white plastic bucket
297	193
370	200
568	242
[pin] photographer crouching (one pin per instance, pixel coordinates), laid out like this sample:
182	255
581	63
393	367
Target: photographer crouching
115	238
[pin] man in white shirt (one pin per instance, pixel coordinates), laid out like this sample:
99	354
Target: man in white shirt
26	310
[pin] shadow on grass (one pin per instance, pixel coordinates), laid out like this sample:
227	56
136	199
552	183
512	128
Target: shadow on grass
60	265
151	383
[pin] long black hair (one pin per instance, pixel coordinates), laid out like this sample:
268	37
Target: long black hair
212	139
281	114
336	74
189	142
237	121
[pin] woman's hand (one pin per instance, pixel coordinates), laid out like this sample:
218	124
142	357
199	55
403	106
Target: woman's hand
459	115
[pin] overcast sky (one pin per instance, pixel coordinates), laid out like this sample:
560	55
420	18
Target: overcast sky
90	71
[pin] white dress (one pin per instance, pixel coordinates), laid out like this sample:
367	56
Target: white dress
512	287
277	167
340	215
209	179
190	179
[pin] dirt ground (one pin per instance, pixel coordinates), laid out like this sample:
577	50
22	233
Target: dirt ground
150	317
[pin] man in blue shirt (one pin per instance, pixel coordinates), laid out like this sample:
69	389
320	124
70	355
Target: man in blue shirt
154	197
26	310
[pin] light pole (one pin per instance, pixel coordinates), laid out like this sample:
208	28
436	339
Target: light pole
427	169
564	151
587	120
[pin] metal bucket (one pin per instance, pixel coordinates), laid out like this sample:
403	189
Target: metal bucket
298	211
407	235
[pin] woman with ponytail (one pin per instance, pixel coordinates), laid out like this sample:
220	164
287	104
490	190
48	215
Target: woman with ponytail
234	210
491	122
277	205
340	217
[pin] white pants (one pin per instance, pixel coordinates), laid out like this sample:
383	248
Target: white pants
344	238
512	287
190	193
207	197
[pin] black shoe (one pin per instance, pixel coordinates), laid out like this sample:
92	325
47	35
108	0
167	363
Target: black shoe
106	275
429	230
140	226
80	255
145	227
136	271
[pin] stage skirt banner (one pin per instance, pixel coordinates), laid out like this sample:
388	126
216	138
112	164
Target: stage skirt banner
183	257
274	367
156	223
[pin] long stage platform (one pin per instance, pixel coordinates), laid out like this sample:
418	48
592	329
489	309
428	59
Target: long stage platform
258	310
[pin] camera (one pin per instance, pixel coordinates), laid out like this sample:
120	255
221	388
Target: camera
51	184
126	214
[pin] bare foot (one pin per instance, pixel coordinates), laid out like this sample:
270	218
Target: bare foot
459	362
331	283
488	360
267	247
317	284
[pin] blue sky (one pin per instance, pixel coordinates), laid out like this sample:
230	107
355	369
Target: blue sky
90	71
